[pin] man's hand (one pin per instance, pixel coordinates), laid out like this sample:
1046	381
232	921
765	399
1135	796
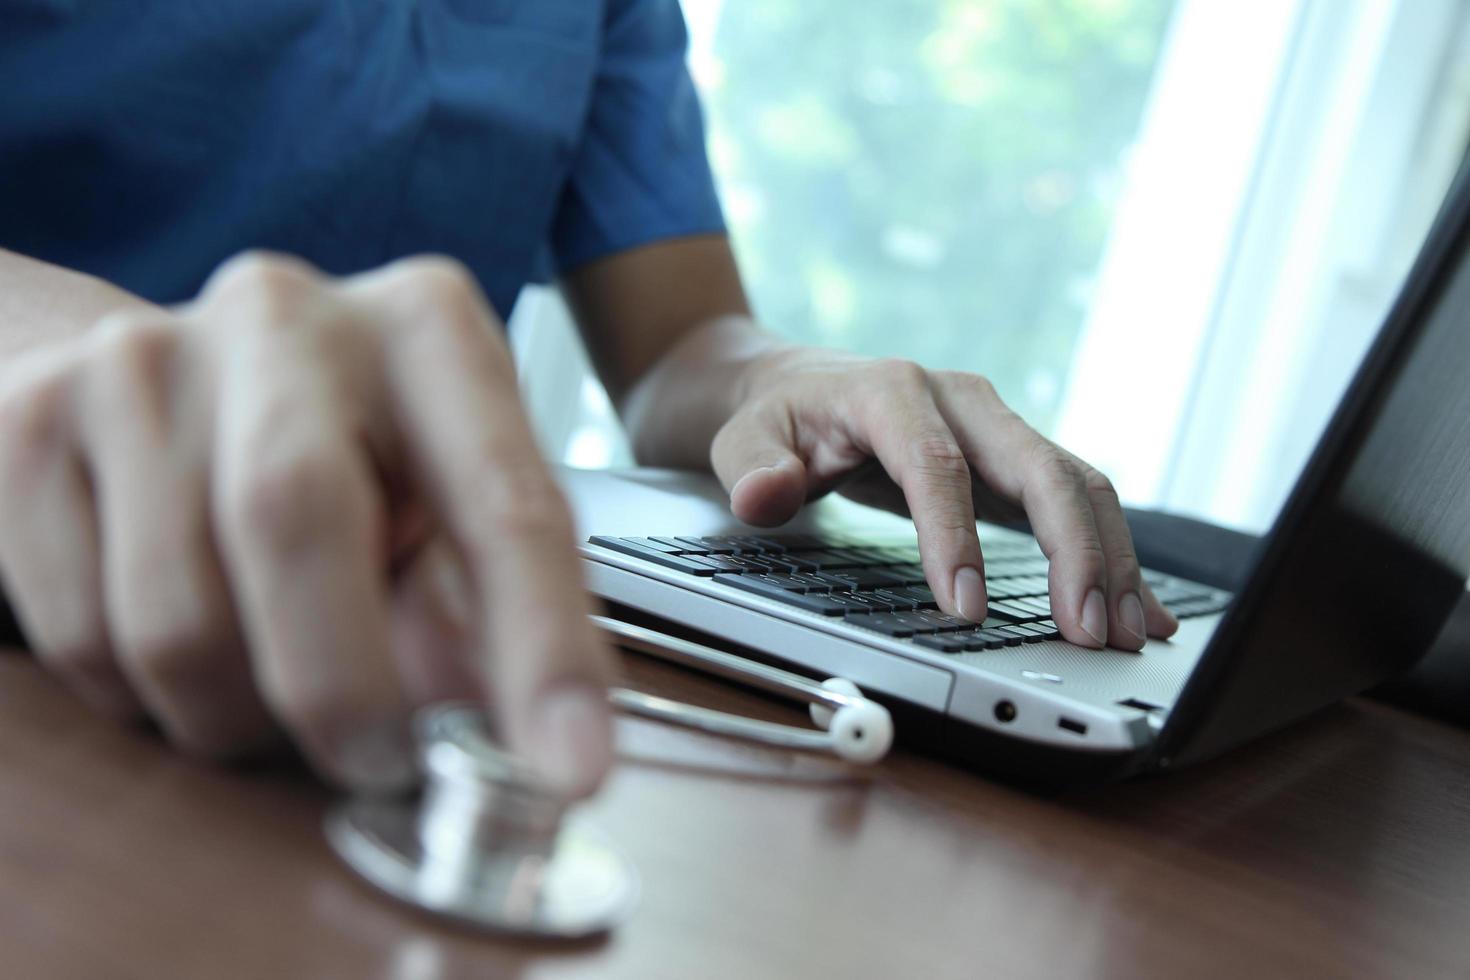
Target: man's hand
942	447
300	504
699	383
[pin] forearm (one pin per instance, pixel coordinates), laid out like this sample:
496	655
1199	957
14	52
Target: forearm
42	303
674	410
670	331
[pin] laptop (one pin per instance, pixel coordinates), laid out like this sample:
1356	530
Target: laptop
1362	567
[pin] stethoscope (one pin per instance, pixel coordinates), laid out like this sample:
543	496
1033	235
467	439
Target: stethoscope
488	844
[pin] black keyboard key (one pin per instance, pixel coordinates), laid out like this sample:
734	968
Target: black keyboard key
998	589
998	615
1029	585
798	542
895	555
781	581
986	639
1013	567
691	564
823	560
856	557
1016	588
862	602
885	623
737	543
722	562
814	582
867	578
757	585
833	580
911	574
681	546
1037	604
951	622
941	642
656	544
930	621
706	546
901	602
1016	634
757	564
922	595
1012	610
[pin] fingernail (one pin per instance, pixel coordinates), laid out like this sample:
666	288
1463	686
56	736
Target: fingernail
1095	616
1130	616
758	471
378	759
572	738
969	594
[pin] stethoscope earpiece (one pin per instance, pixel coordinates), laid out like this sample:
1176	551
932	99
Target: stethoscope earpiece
861	731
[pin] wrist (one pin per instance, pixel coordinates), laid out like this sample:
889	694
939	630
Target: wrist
675	409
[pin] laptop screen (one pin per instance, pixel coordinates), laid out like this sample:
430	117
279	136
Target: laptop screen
1372	551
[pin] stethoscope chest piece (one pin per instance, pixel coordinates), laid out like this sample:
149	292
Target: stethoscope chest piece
486	844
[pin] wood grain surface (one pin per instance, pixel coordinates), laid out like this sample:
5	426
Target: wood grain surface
1338	849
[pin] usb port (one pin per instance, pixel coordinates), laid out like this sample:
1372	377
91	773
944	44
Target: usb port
1075	727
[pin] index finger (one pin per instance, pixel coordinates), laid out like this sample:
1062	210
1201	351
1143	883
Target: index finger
454	398
1017	462
913	443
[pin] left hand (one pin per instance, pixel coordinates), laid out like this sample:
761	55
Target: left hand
942	447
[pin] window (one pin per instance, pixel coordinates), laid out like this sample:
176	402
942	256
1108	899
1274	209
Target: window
932	179
1115	209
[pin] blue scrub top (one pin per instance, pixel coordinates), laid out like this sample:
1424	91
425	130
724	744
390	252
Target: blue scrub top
145	141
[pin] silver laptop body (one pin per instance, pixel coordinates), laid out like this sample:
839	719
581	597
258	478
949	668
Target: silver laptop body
1363	566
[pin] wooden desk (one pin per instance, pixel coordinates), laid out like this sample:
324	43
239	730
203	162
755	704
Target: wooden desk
1340	849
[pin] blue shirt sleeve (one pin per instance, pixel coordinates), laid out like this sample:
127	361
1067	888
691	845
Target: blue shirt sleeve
639	173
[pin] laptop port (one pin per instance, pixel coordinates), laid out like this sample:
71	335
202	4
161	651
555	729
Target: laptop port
1075	727
1140	704
1005	711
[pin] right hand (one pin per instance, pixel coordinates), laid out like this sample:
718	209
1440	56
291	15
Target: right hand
305	505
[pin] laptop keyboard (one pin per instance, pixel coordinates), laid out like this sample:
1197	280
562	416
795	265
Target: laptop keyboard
881	587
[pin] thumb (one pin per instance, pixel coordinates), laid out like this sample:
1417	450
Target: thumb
764	476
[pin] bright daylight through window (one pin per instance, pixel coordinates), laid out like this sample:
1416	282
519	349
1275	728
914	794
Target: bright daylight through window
929	179
1166	229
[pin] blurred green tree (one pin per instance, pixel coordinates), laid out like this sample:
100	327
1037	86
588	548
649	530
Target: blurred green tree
930	178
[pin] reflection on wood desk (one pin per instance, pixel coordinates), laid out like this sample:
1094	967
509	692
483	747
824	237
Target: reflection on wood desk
1338	849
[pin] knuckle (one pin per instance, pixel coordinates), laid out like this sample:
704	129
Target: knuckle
973	385
1098	484
262	279
940	459
442	272
902	372
134	352
445	286
1055	470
